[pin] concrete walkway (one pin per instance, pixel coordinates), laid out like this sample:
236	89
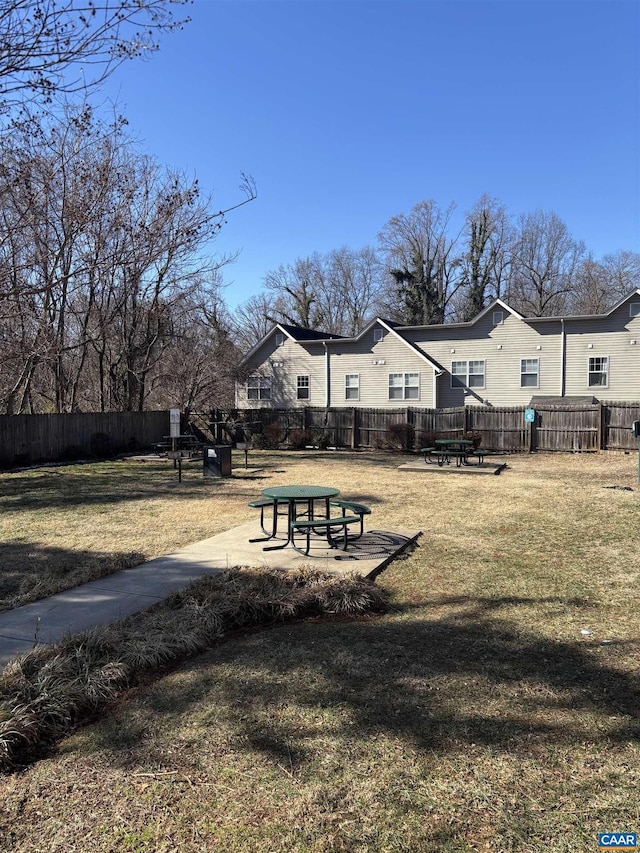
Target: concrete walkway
131	590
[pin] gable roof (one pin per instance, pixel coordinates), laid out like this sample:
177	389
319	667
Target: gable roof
394	329
295	333
299	333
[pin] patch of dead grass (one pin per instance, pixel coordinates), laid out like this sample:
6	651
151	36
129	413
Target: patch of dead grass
476	716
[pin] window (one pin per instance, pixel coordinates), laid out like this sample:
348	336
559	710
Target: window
378	335
259	388
469	373
498	318
599	371
279	339
303	387
404	386
352	386
529	371
634	309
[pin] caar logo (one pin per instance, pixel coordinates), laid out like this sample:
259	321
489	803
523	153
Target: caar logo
617	841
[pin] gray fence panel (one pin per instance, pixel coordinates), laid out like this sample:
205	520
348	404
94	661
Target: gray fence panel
26	439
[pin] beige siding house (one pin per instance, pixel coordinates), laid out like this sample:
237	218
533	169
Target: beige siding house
498	359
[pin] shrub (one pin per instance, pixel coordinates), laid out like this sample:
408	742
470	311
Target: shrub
475	437
300	438
401	436
272	436
426	439
257	441
324	441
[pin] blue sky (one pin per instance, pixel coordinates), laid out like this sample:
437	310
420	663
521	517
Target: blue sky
348	112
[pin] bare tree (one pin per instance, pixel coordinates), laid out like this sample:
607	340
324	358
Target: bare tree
545	261
253	319
423	260
297	287
99	250
489	237
336	293
54	47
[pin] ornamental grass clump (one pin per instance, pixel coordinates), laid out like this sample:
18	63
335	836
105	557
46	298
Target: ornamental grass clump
52	689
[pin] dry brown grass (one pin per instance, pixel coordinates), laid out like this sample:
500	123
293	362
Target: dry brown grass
475	716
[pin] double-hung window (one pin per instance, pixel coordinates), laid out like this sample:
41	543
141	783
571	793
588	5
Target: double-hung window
303	387
529	372
259	388
352	386
599	371
404	386
467	373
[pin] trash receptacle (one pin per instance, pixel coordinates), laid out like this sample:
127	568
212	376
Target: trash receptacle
216	460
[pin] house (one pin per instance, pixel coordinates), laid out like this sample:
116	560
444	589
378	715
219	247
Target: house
500	358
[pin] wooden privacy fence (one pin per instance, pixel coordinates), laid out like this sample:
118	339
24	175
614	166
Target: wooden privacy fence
589	427
26	439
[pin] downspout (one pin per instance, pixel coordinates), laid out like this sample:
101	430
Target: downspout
436	373
562	357
327	395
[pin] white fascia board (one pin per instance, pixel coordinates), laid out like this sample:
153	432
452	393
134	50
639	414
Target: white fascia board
497	303
256	347
436	367
629	296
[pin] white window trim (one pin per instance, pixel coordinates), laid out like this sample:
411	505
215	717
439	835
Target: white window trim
306	387
352	387
279	339
264	383
604	358
405	386
458	376
498	318
522	372
378	335
634	309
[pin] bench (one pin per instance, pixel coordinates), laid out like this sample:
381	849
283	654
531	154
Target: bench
481	453
441	456
355	509
311	524
460	456
261	503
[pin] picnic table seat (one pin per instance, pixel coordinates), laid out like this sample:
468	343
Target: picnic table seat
441	456
309	525
261	503
481	452
355	509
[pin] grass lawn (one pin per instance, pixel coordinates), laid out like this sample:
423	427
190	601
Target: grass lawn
494	708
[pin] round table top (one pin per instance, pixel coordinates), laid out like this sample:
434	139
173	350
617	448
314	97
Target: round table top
301	492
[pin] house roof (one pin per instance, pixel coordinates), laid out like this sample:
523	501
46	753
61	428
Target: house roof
299	333
396	330
295	333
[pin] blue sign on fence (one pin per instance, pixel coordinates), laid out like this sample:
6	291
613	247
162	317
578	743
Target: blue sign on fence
529	416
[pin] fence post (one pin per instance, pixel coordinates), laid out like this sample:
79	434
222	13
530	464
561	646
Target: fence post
532	428
601	439
354	427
